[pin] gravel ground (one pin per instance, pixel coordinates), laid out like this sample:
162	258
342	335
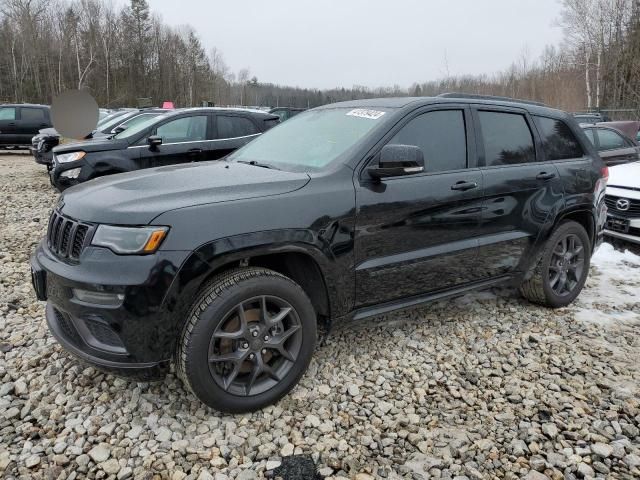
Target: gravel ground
483	386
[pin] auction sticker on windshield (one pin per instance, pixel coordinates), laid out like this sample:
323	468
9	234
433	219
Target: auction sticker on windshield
364	113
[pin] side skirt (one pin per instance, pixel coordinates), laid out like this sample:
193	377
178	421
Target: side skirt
416	300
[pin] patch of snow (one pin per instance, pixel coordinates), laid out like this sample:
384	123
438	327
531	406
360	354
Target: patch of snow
612	292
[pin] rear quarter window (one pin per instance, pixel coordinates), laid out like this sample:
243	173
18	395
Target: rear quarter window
558	141
235	126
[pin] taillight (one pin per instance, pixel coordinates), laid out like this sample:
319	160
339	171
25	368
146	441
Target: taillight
604	173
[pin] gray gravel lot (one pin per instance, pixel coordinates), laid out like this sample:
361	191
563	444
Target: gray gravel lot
483	386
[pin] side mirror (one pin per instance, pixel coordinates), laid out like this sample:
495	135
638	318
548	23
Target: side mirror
398	160
119	129
154	141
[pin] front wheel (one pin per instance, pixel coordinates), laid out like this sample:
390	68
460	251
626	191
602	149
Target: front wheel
248	340
563	268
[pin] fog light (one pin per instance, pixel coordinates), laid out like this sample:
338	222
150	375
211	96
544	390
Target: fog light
73	173
98	298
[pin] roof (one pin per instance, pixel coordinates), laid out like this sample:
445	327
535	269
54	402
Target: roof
223	109
23	105
402	102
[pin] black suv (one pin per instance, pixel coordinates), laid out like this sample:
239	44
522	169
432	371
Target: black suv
20	122
344	212
178	136
48	138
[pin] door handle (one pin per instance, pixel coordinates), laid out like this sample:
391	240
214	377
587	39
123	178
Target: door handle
194	151
545	176
462	185
12	124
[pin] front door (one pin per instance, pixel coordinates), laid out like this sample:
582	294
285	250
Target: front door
31	120
184	140
417	234
520	189
9	126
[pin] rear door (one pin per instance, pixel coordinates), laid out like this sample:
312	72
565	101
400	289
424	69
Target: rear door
232	131
521	188
8	125
30	120
184	139
614	148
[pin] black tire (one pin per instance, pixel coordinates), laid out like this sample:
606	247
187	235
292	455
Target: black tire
210	313
540	287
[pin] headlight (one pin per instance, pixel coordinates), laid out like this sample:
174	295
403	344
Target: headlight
70	157
129	240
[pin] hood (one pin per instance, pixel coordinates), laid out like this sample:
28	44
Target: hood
136	198
94	145
626	176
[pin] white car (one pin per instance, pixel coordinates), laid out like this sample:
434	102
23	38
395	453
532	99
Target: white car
623	202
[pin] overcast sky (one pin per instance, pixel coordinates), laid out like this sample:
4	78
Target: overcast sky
329	43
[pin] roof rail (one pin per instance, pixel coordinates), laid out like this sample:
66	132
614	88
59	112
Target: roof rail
490	97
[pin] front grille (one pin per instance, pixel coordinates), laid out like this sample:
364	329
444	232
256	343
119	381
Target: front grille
66	237
103	333
612	205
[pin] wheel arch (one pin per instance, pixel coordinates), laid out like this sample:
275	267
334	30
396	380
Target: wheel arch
305	264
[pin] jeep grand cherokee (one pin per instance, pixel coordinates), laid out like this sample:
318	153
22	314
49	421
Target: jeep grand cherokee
344	212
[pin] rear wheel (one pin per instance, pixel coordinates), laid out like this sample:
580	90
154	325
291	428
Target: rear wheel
563	268
248	340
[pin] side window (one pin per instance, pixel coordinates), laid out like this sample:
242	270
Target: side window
32	115
507	138
7	113
270	123
558	140
185	129
610	140
232	126
590	135
442	137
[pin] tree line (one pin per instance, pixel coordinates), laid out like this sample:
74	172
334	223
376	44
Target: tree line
123	54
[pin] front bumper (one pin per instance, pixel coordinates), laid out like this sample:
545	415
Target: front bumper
135	338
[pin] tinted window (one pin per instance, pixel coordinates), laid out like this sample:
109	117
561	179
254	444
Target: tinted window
589	133
441	136
231	127
186	129
7	113
558	140
610	140
507	138
32	115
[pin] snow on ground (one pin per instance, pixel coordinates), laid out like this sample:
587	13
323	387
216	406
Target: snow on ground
612	292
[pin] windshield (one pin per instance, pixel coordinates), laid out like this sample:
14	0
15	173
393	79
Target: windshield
132	122
138	127
111	121
311	140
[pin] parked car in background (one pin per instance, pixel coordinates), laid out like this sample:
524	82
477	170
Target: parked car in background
43	143
285	113
177	136
593	117
20	122
623	202
347	211
614	141
103	112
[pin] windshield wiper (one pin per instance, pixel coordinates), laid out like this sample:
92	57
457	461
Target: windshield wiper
257	164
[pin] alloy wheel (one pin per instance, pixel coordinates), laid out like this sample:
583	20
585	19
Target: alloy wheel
255	346
567	265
